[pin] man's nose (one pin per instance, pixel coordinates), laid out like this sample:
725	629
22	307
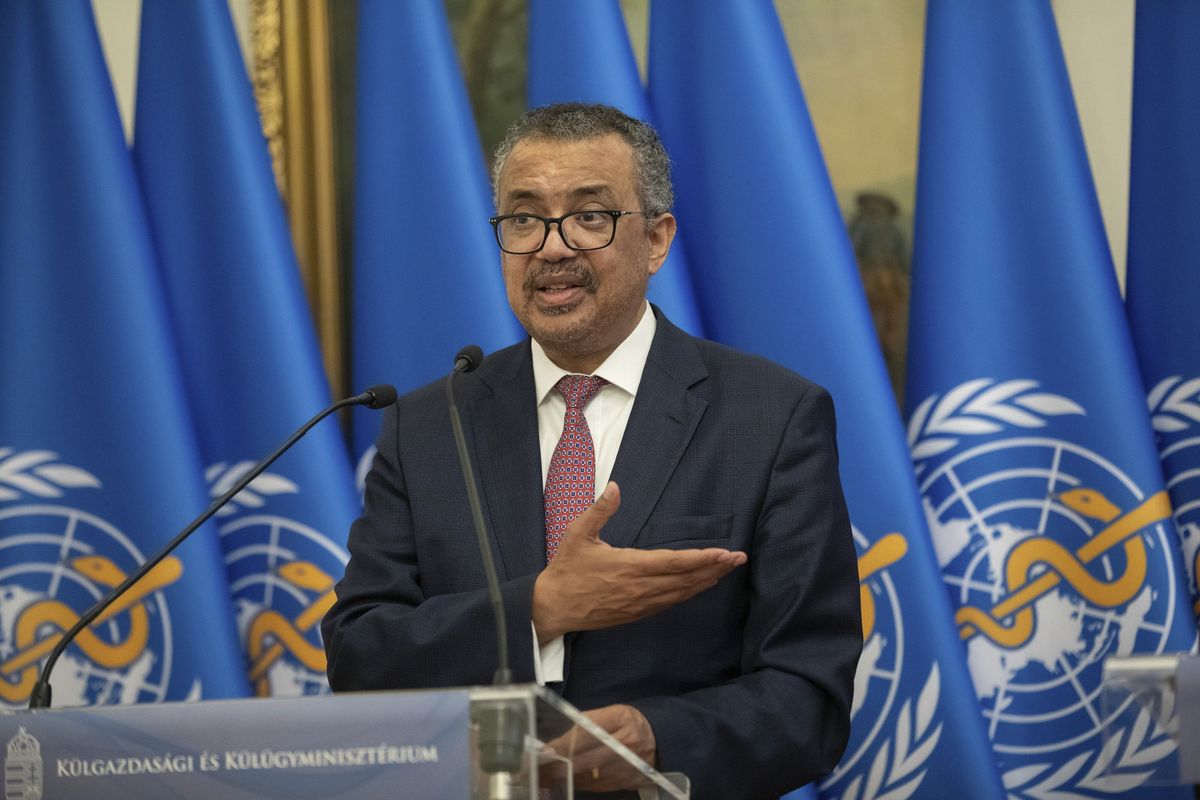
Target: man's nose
556	247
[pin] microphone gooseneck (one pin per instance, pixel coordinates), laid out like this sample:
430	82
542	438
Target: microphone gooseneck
40	697
468	359
501	723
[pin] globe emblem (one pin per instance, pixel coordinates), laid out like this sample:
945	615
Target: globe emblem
1038	618
55	563
877	679
1181	464
1174	403
281	575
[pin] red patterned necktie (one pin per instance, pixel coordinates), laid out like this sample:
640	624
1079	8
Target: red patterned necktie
571	477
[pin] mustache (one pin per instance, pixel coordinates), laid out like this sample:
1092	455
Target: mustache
578	271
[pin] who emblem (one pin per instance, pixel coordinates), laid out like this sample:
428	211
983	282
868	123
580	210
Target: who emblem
281	573
904	730
56	561
1046	546
1175	411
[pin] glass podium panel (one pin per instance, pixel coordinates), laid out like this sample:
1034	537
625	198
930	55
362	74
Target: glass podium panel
554	735
1153	702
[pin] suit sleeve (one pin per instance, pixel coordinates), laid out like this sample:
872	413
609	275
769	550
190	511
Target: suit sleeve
785	720
383	632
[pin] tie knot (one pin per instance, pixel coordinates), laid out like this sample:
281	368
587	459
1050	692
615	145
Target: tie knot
577	390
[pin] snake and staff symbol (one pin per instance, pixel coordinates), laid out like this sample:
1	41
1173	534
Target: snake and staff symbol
279	570
873	565
270	633
878	557
874	561
39	626
1196	571
1056	563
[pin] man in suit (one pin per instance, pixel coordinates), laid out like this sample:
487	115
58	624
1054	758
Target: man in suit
704	610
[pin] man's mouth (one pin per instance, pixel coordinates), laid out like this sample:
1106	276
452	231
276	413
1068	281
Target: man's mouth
558	294
557	285
558	288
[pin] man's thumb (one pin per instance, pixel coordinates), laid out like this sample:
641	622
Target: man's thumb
599	512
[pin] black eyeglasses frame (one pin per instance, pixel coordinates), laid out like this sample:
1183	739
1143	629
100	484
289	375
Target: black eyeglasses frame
548	221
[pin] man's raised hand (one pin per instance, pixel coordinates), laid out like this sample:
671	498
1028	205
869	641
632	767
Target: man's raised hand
590	584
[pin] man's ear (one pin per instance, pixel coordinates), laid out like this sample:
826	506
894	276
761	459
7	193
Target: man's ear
661	235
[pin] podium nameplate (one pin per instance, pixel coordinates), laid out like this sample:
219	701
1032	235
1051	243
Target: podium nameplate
385	745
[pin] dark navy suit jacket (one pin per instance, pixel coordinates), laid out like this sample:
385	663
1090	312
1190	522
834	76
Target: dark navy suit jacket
747	686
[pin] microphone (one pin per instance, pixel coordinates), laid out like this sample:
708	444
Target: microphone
468	359
380	396
502	723
375	397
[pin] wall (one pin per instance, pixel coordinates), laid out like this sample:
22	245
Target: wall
860	64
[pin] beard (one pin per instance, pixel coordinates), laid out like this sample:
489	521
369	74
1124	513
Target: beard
595	320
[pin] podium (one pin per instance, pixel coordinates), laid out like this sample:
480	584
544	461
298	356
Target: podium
423	745
1155	696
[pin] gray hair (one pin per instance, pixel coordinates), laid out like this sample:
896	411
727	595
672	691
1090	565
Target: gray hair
579	121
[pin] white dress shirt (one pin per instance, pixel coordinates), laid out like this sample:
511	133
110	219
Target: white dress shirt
607	415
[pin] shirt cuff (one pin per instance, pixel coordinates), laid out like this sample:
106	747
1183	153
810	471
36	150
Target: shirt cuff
547	659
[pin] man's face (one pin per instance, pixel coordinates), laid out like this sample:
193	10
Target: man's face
579	305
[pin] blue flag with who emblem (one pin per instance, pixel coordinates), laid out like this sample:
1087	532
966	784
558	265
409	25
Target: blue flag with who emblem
601	69
781	280
426	265
1162	283
249	354
98	461
1027	422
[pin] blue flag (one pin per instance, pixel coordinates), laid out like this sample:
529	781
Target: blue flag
1162	283
601	69
1027	425
762	225
98	462
249	354
426	266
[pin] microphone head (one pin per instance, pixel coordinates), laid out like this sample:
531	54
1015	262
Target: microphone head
381	395
468	359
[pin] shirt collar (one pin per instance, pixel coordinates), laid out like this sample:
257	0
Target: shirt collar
623	367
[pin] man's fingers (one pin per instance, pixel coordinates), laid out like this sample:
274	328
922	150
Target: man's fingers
595	766
591	585
647	594
681	562
609	718
607	503
594	516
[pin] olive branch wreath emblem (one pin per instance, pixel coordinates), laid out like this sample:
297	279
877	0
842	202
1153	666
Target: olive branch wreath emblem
1139	746
1174	410
981	407
39	473
221	477
896	771
1172	404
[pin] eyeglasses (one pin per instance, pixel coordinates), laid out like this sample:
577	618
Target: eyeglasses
521	234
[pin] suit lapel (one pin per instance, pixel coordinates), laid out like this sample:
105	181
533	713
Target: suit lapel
663	419
504	421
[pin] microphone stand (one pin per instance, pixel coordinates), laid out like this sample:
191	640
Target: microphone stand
502	724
